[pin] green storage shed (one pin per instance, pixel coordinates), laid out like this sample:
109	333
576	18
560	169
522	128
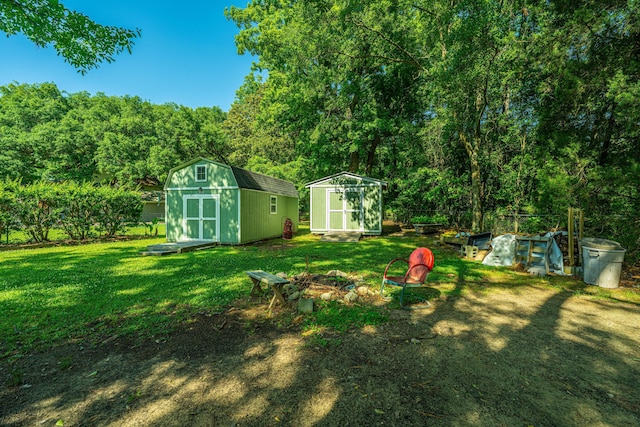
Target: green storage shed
211	201
346	202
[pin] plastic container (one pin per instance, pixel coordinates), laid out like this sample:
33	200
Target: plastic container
602	261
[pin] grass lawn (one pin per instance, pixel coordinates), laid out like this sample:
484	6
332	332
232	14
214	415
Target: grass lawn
94	291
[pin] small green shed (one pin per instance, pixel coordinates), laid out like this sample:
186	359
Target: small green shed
211	201
346	202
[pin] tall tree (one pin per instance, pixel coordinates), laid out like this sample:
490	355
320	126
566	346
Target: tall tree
254	135
183	134
338	81
589	112
46	134
477	79
27	114
123	147
357	78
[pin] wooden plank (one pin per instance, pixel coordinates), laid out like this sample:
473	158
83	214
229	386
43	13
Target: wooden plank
267	278
341	237
580	236
427	228
533	251
570	225
275	282
178	247
458	241
157	253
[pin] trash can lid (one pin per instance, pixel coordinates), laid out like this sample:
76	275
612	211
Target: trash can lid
597	243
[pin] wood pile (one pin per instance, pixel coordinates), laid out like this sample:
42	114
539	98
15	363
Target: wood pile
562	239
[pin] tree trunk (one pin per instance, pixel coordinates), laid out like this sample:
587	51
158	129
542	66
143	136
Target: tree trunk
354	162
476	189
371	154
476	182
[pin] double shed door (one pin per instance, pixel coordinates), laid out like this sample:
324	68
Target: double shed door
201	215
345	209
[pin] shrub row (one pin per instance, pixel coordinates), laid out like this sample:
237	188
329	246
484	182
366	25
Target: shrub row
78	209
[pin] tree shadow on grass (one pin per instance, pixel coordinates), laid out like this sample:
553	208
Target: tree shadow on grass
537	356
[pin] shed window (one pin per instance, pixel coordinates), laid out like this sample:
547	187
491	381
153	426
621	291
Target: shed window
273	205
201	173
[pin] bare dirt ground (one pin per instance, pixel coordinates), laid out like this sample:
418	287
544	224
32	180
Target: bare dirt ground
511	357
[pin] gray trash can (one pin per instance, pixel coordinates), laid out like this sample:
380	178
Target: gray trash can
602	261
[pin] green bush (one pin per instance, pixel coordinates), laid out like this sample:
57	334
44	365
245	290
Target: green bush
117	208
428	189
80	203
77	209
37	208
7	202
429	219
534	224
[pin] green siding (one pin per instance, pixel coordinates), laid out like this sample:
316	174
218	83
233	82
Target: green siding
219	176
373	209
318	209
229	221
220	181
171	218
257	221
342	215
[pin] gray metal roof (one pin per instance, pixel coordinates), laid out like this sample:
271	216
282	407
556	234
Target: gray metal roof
257	181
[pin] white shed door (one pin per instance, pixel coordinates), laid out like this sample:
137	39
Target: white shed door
345	209
201	218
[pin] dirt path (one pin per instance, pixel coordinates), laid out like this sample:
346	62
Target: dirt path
513	358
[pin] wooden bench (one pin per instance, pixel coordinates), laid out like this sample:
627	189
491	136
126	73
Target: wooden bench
276	283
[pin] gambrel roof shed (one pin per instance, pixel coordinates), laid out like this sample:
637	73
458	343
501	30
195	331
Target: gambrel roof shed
211	201
257	181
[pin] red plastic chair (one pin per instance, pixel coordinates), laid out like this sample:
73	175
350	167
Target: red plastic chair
420	264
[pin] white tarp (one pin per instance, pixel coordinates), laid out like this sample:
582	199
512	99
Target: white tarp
503	253
556	262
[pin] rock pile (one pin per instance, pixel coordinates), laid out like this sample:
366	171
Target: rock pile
334	285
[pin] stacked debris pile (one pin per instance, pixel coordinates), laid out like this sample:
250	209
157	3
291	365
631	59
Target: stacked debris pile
334	285
562	239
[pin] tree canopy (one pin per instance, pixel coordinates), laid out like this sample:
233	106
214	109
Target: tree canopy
82	42
501	107
48	135
475	109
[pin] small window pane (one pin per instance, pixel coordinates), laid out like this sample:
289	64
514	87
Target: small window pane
273	207
201	173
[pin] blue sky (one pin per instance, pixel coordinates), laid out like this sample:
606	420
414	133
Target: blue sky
186	54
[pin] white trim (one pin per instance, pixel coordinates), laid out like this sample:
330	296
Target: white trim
381	213
344	209
203	188
191	162
361	185
239	217
166	211
206	173
271	198
311	227
200	197
339	175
